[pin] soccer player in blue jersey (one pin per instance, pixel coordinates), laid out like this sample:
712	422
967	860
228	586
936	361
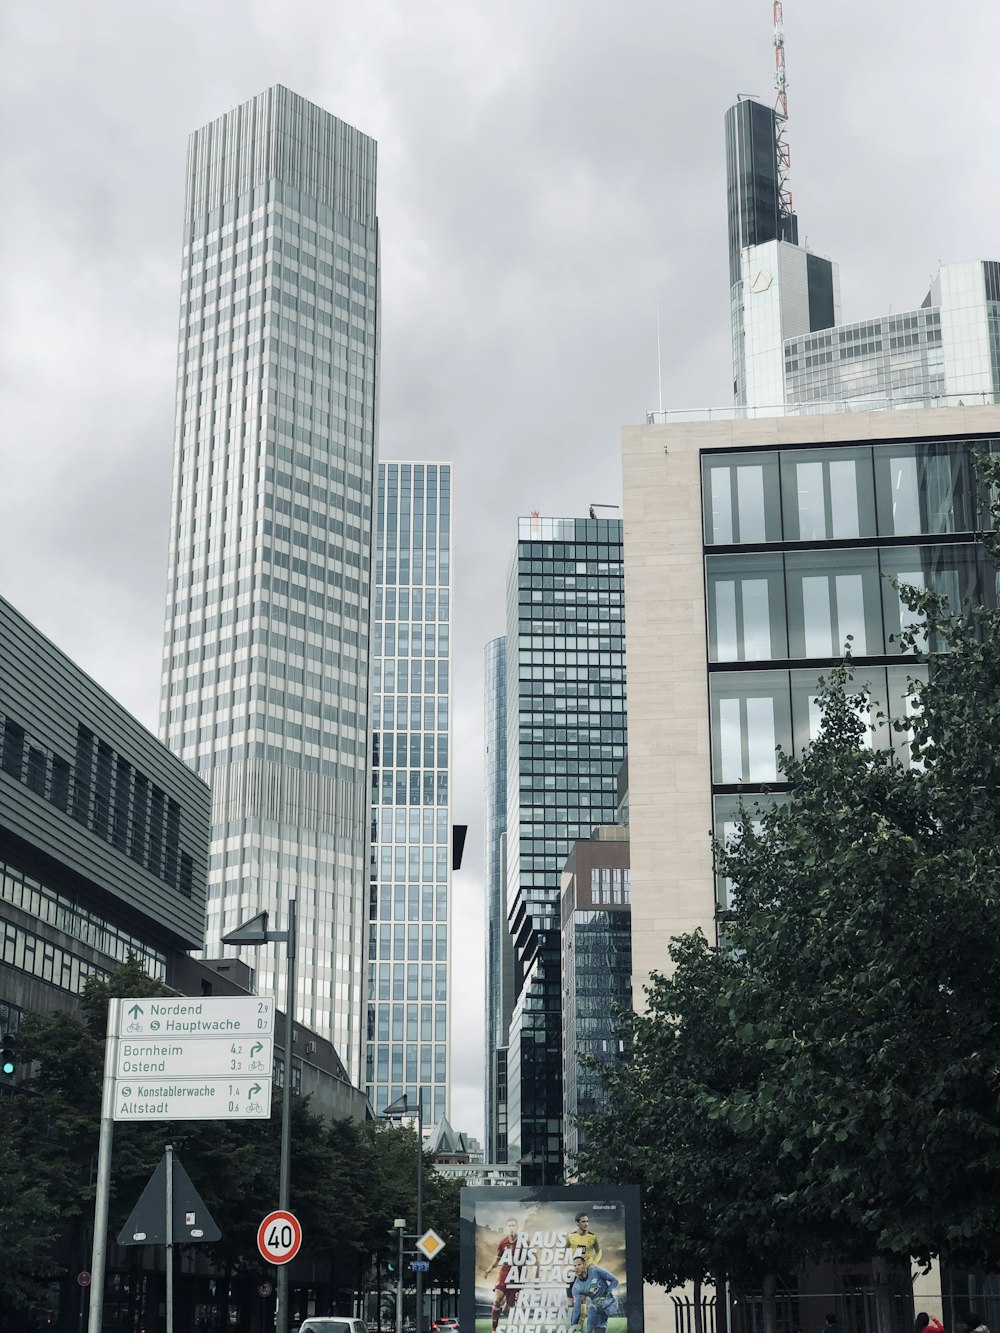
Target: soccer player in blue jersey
596	1286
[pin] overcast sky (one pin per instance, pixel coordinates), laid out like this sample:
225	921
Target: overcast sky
549	172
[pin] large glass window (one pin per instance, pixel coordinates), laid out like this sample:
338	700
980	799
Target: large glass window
902	705
741	498
750	719
746	608
833	595
955	572
925	488
807	717
827	494
726	810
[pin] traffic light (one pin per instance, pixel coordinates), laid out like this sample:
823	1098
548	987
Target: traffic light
8	1055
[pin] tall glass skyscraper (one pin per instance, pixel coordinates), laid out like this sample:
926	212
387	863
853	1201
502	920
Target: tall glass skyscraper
410	893
499	947
565	744
265	668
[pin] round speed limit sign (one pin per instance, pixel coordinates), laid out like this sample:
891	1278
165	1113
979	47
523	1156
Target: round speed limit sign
279	1237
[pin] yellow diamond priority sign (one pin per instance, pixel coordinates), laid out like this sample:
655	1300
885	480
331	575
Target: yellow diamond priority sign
430	1244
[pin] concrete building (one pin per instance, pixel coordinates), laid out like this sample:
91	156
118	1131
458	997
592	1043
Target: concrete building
103	832
565	743
409	968
596	917
752	550
265	667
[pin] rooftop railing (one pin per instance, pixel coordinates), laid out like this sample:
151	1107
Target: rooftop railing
819	406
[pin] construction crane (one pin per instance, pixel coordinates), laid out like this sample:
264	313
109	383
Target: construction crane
596	506
783	151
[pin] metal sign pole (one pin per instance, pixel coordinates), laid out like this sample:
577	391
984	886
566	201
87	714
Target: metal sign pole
285	1171
170	1238
420	1204
102	1196
399	1281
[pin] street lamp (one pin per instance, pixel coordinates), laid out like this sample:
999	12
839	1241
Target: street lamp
399	1110
255	931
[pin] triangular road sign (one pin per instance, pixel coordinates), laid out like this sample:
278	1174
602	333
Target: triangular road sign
148	1223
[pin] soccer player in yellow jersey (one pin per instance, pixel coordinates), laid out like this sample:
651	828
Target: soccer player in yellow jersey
583	1241
582	1244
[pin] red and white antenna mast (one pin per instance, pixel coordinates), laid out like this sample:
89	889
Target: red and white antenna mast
784	152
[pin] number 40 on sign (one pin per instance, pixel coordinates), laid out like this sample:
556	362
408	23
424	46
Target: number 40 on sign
279	1237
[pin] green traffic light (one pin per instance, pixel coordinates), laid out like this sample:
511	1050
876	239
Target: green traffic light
8	1066
8	1061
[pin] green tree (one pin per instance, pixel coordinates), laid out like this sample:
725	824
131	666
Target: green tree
834	1071
29	1222
349	1180
711	1183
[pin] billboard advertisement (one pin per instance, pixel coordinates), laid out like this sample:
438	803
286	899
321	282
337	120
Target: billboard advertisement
551	1258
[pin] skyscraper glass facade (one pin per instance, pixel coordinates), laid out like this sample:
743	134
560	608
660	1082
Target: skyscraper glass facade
752	182
596	968
265	668
565	744
409	987
499	948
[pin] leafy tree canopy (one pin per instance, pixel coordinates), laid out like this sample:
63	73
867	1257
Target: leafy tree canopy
349	1179
828	1081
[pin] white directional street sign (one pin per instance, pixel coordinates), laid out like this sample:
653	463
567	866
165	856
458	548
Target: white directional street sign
209	1016
207	1058
192	1099
185	1057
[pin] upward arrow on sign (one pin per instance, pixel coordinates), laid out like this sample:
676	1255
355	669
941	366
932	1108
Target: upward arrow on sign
147	1224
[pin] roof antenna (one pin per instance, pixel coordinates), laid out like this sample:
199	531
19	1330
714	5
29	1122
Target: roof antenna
659	358
783	151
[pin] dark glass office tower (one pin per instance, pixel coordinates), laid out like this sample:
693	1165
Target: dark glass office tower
499	949
777	289
752	182
597	970
565	744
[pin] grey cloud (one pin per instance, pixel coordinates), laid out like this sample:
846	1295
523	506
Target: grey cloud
549	173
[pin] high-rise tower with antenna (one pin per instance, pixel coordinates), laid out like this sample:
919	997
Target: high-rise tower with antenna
777	288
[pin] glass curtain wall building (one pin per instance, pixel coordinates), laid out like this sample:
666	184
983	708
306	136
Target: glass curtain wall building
596	967
409	988
565	744
265	669
499	947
